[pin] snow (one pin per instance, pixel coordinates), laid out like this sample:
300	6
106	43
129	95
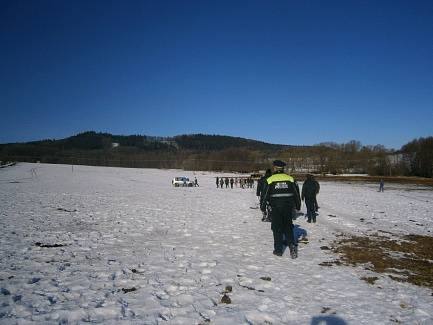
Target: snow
117	245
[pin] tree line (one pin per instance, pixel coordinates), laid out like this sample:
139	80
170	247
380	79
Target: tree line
224	153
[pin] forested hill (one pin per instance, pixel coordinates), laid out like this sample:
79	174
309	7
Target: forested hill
196	151
220	142
99	141
218	152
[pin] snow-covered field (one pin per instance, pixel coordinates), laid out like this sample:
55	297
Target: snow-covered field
111	245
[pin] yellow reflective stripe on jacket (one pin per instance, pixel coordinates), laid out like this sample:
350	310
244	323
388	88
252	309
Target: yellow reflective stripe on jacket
279	178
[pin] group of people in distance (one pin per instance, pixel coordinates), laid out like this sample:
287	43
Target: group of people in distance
279	198
239	182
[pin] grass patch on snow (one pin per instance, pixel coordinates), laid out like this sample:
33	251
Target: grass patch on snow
406	259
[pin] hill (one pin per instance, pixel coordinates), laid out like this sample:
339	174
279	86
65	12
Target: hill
92	148
225	153
91	140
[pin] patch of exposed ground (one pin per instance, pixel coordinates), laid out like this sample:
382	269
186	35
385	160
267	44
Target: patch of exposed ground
376	179
405	259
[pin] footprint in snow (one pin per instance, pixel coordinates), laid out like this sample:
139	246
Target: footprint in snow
206	271
253	267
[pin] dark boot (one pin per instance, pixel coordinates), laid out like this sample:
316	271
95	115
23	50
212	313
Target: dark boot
293	251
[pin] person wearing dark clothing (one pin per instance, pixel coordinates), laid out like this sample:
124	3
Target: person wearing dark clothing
309	190
227	182
217	182
299	194
316	206
221	182
283	198
231	182
260	191
261	183
381	185
195	181
297	187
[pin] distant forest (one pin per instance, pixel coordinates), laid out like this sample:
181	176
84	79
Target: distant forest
224	153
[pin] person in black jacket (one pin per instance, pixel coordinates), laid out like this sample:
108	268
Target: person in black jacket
261	189
283	197
309	191
316	206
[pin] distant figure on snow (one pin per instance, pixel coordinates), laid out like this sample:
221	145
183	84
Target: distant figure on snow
309	191
217	182
317	192
195	181
231	182
260	191
381	185
221	182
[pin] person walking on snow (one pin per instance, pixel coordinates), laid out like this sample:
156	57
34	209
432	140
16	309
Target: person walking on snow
381	185
283	197
316	206
309	190
261	188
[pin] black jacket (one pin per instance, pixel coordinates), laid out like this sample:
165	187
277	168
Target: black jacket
280	192
261	184
317	186
309	189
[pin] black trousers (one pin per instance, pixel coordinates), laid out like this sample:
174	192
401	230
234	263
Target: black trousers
310	202
282	225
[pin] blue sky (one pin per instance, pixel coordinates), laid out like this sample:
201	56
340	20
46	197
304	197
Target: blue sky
289	72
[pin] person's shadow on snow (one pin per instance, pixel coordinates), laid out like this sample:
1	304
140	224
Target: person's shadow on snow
328	320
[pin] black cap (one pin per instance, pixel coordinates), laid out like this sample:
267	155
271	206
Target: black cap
279	163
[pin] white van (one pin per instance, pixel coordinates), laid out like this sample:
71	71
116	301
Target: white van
182	181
